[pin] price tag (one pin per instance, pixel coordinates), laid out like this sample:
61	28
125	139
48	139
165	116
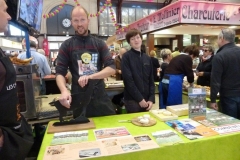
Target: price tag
196	91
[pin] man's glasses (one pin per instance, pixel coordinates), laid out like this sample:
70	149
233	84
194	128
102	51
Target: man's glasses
205	50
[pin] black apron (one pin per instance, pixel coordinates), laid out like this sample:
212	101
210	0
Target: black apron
18	138
86	63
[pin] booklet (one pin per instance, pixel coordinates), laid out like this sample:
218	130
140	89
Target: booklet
111	132
191	129
166	137
197	103
69	137
99	148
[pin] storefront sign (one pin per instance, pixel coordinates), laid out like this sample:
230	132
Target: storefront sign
192	12
210	13
160	19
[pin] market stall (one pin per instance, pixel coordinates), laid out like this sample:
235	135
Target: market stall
206	148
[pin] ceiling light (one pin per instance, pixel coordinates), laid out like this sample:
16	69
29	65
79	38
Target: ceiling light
232	27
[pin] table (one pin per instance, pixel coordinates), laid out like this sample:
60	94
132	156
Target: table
220	147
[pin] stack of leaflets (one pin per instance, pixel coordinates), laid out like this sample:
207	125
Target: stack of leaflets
191	129
69	137
219	118
221	123
166	137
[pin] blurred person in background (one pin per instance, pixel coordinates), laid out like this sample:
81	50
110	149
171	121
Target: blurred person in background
171	84
118	99
16	137
139	90
167	57
155	65
225	76
117	61
41	61
41	51
176	52
204	68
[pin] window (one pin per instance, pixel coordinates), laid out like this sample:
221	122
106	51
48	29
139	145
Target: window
130	15
106	25
14	31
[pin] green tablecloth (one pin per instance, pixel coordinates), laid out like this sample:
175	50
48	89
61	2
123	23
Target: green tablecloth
221	147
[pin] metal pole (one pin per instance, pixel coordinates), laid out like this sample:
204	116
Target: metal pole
28	53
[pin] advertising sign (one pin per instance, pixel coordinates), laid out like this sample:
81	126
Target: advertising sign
191	12
210	13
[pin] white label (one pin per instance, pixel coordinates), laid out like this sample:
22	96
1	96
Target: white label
196	91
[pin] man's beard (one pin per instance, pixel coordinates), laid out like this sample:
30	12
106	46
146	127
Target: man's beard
82	34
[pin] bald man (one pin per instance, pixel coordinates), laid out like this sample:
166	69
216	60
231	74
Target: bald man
85	56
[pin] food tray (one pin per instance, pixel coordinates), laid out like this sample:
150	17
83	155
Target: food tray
158	113
179	110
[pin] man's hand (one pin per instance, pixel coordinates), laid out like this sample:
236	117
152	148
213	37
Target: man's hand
149	105
214	106
65	99
199	73
143	104
83	80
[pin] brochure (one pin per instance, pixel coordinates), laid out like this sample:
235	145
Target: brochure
111	132
166	137
128	144
191	129
100	148
197	103
226	129
69	137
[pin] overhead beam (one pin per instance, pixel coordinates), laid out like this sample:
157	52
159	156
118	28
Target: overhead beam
119	11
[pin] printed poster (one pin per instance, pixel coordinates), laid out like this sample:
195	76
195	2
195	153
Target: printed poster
87	63
111	132
104	147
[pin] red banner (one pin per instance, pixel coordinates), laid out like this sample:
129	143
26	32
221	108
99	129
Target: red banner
45	47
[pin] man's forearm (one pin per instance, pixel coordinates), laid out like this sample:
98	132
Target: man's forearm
106	72
61	83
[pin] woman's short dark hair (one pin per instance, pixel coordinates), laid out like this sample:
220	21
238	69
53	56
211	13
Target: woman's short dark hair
192	50
131	33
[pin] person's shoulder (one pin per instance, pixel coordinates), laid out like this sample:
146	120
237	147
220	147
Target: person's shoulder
126	54
68	41
22	55
97	39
